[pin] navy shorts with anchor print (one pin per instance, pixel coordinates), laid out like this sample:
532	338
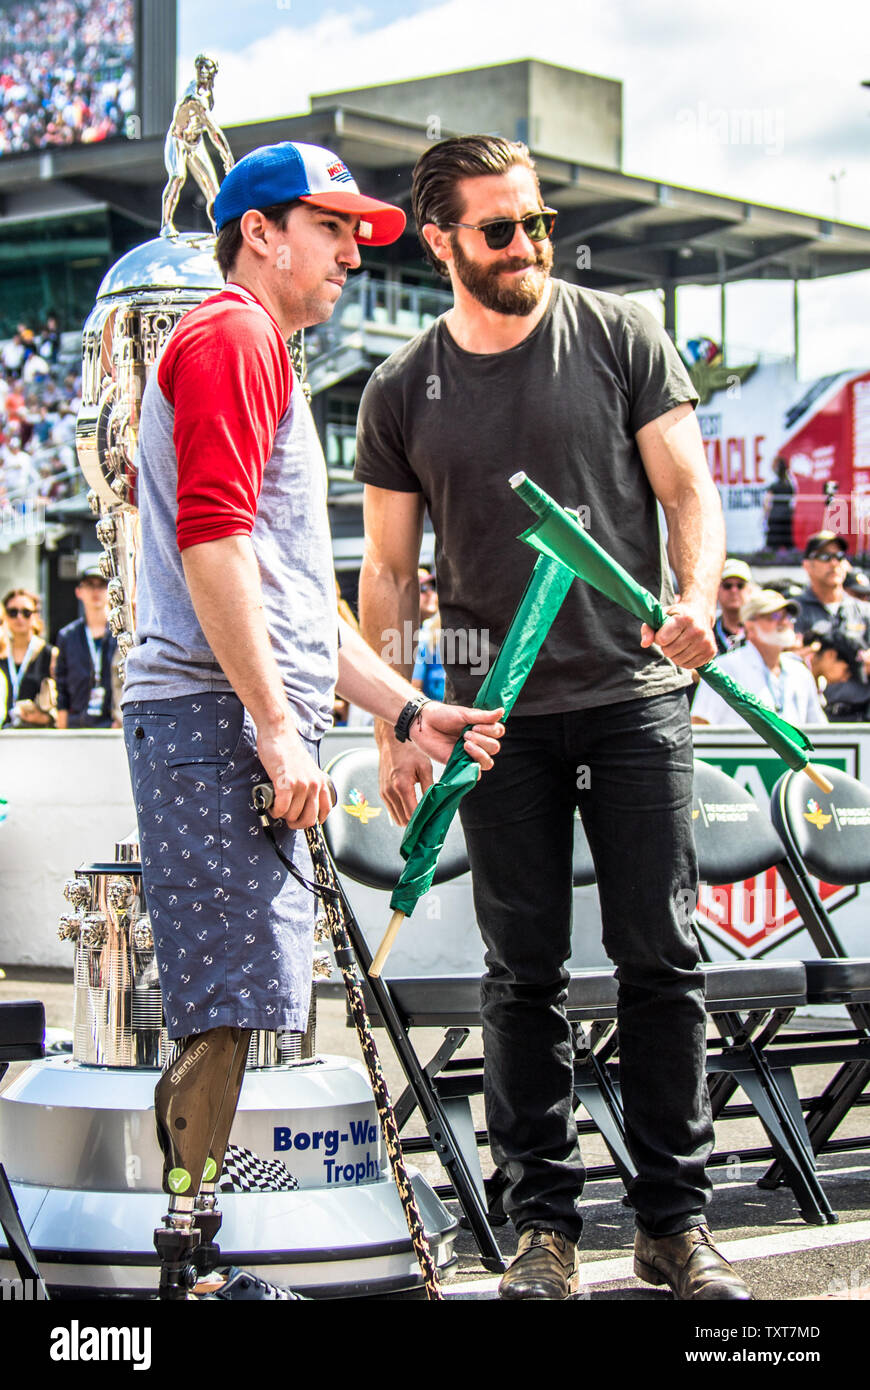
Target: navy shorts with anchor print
233	930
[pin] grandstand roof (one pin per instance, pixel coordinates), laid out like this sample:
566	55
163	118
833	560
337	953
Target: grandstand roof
640	232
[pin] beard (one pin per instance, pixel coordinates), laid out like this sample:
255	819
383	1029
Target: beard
483	281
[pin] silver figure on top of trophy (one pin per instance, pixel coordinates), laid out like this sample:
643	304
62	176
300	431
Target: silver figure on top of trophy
185	144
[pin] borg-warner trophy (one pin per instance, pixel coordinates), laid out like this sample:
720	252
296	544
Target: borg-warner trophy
305	1188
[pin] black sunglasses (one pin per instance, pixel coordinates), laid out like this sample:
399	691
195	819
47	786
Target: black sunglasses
20	612
500	233
428	586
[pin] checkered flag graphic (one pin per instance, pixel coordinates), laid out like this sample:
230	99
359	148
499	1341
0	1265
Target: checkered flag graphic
245	1171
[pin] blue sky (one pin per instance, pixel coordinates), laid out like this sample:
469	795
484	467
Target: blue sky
682	65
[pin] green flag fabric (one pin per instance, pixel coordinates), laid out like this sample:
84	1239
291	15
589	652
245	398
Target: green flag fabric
559	535
427	829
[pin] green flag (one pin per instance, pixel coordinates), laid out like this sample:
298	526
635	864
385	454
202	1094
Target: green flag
427	828
560	536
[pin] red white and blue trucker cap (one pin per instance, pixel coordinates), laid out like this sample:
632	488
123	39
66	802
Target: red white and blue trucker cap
277	173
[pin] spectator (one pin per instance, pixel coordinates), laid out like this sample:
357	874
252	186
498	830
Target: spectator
826	607
49	339
428	674
28	664
59	81
4	652
765	666
13	355
86	649
734	589
19	474
35	369
779	500
43	422
857	584
832	659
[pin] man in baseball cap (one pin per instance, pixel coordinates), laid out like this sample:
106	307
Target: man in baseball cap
824	540
734	587
276	174
766	666
826	606
236	663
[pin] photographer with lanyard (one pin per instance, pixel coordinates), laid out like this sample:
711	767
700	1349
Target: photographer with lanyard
85	652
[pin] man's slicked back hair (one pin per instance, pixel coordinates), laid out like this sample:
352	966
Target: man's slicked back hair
435	196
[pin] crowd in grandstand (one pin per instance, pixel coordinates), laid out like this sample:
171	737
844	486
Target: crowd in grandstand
66	72
39	401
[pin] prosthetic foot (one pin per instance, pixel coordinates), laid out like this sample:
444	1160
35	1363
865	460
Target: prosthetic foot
195	1102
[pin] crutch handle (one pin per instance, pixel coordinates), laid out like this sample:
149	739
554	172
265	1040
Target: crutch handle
263	795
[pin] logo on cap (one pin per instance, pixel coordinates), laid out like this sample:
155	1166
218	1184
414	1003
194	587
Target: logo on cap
339	172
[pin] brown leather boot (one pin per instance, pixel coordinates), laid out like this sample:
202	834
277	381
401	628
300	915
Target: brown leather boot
545	1266
689	1264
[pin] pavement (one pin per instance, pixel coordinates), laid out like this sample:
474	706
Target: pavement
781	1257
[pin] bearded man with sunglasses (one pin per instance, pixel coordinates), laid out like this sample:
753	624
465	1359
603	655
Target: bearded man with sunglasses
826	607
585	392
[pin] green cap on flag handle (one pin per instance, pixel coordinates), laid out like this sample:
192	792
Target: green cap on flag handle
559	535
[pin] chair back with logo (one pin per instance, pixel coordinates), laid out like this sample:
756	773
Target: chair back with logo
361	837
734	838
828	831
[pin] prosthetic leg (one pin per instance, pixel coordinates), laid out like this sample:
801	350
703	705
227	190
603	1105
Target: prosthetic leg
195	1102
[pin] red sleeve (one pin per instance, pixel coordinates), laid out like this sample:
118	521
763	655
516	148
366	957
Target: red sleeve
226	373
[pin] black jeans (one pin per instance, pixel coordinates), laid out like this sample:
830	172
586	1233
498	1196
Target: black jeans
629	768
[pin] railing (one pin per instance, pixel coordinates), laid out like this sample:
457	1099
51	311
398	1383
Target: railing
25	512
371	303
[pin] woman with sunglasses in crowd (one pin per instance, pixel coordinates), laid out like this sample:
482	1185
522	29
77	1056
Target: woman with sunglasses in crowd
27	664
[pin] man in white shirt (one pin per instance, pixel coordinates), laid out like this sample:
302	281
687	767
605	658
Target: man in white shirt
766	666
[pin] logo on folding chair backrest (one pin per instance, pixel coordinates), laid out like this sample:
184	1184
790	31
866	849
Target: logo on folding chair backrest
815	815
361	807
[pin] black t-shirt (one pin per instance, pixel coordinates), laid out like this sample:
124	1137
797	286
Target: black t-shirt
564	406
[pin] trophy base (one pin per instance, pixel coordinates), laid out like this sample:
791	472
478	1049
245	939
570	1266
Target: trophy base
81	1153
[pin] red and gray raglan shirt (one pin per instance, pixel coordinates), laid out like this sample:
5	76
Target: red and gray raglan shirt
227	447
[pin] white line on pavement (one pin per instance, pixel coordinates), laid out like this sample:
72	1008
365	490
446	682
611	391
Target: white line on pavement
755	1247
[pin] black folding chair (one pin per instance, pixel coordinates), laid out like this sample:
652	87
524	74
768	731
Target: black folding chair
827	835
735	840
364	845
22	1039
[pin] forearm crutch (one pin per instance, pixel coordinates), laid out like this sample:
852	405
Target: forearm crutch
336	907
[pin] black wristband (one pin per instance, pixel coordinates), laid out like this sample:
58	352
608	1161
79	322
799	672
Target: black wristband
402	727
